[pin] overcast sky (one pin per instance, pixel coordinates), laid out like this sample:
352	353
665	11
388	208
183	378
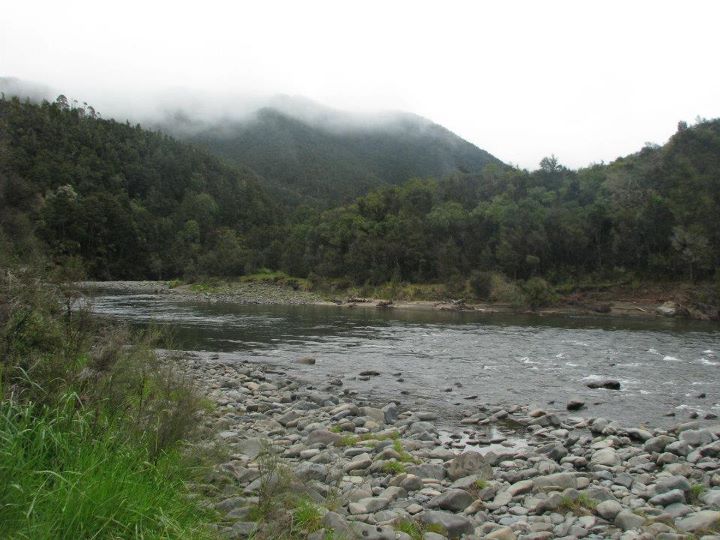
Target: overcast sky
585	80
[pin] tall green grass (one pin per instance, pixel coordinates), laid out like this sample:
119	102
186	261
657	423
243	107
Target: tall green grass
92	424
63	477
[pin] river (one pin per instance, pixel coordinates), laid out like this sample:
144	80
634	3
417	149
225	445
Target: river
437	360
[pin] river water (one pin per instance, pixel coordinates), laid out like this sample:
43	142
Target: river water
664	366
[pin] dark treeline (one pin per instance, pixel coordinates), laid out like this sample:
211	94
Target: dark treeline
129	203
123	201
655	213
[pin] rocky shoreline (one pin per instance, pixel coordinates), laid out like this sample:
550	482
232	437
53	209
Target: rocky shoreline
256	292
379	471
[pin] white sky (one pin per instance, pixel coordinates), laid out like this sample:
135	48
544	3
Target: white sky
585	80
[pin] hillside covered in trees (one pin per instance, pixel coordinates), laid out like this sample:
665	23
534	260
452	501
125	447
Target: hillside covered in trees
124	202
654	213
315	155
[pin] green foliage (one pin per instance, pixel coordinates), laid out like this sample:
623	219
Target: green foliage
583	504
129	203
307	517
394	467
90	423
538	292
63	476
481	284
308	162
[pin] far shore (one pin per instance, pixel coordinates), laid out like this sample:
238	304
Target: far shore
279	294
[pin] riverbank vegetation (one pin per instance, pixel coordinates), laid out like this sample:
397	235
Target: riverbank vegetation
92	426
120	202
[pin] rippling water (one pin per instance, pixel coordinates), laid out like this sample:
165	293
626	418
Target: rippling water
663	366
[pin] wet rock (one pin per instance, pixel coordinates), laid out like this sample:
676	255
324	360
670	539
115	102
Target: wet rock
609	384
369	373
575	405
306	360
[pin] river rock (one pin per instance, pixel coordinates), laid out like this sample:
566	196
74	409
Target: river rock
368	505
668	309
606	457
696	437
558	480
469	463
454	524
609	384
608	509
390	412
323	437
503	533
575	405
711	498
627	520
427	470
671	483
658	444
307	360
702	520
669	497
455	500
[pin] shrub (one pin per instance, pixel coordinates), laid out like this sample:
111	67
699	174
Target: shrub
481	284
538	292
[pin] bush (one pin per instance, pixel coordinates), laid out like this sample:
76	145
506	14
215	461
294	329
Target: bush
538	292
506	292
481	284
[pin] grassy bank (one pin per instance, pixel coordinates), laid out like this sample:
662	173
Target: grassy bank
92	427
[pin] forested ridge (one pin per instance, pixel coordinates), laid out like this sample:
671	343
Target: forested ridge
332	161
124	202
654	214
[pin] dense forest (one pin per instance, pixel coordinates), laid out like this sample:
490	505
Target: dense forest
323	157
654	213
124	202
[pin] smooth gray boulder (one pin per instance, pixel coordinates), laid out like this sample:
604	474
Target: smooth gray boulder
453	524
455	500
699	521
627	520
469	463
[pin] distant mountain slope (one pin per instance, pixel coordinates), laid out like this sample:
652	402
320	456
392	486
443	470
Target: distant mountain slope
318	154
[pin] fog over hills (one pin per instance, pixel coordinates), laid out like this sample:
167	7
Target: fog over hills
306	152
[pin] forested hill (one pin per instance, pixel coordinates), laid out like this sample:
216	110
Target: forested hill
654	214
122	201
329	157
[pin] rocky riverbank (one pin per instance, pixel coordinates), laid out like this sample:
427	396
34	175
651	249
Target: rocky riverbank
238	293
309	459
268	292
